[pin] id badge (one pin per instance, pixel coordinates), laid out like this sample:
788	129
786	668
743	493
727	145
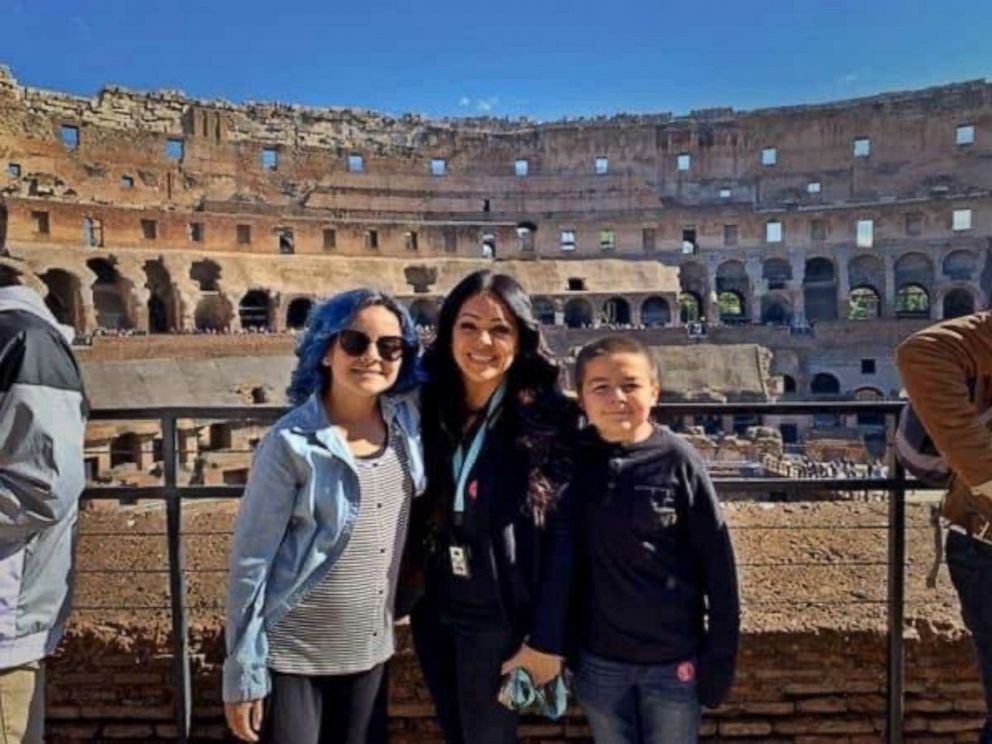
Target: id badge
459	561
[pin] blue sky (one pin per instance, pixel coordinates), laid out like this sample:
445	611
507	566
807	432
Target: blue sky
543	58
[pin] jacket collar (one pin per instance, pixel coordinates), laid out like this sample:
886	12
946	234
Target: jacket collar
313	420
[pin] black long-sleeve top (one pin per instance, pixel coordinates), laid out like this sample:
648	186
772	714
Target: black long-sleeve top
657	581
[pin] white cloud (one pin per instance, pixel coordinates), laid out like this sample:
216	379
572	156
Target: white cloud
464	101
487	104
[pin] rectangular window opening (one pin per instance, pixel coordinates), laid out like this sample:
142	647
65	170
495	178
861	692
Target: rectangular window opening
127	183
725	193
867	366
683	161
567	240
813	187
607	239
450	240
287	243
526	237
602	166
769	156
866	233
14	170
372	239
69	134
194	232
411	242
41	225
521	167
149	229
689	244
862	147
817	231
175	149
965	134
731	235
648	238
270	158
773	232
439	166
330	239
576	284
356	163
961	220
93	232
244	234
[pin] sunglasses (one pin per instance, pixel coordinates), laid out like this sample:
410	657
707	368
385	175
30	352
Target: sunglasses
355	343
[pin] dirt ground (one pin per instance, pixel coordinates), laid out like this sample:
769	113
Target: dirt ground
803	566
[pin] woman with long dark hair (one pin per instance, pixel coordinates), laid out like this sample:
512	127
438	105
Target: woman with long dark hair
497	434
316	551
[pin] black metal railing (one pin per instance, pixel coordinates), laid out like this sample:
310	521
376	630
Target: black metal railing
174	494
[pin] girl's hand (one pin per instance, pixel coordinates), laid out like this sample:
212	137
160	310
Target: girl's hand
542	667
245	719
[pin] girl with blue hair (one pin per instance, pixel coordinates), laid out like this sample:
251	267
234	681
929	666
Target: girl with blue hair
320	532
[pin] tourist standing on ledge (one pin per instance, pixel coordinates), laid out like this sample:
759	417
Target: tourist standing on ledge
42	423
496	439
947	372
658	611
320	534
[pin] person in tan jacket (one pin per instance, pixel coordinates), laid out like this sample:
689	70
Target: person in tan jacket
947	372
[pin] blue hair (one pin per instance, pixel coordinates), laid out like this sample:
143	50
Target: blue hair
326	321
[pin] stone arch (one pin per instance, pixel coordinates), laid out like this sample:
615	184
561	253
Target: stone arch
694	281
255	309
960	266
206	273
776	272
869	393
64	297
957	302
733	307
616	310
864	303
213	313
578	313
125	449
424	312
544	310
820	289
298	312
655	312
776	309
912	301
690	307
731	276
867	270
914	268
824	383
109	295
163	305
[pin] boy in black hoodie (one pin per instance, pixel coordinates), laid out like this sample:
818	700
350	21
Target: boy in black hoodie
659	613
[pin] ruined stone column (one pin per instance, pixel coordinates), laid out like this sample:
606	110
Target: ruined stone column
139	297
889	299
843	283
755	285
797	260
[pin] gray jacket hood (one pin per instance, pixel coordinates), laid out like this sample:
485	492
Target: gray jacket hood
29	301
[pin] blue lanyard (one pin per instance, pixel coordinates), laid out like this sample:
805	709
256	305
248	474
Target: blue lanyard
462	464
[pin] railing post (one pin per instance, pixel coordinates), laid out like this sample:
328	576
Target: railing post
896	677
177	583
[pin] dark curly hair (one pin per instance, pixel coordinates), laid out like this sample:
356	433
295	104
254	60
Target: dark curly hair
537	414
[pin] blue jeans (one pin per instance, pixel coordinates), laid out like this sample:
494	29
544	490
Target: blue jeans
970	565
638	703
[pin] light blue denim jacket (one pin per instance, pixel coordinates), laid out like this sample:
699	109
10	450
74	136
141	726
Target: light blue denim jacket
296	516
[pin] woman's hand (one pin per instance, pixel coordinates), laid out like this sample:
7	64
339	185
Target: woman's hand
245	719
542	667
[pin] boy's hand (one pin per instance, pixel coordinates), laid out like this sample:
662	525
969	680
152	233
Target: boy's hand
245	719
542	667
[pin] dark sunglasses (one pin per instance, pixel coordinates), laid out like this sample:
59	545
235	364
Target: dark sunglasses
355	343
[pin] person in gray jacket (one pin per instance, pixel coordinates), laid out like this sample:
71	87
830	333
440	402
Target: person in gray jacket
42	418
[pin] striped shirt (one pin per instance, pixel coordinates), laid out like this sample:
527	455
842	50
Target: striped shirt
344	624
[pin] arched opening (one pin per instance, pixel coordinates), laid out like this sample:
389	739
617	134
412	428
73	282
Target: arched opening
914	269
870	419
824	383
158	315
63	297
775	310
912	301
109	298
125	449
864	303
690	307
544	311
866	270
525	236
616	311
960	266
253	310
694	280
732	308
212	314
424	312
788	384
820	289
298	312
776	272
958	302
655	312
578	313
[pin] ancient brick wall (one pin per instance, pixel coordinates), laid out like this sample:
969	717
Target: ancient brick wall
114	684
